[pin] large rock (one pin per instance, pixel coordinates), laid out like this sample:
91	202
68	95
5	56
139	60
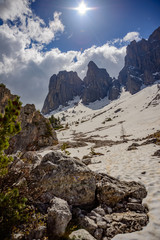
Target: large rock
59	215
63	177
111	191
62	88
36	132
97	83
142	63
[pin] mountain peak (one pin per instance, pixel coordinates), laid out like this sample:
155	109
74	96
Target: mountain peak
91	64
142	63
155	36
142	68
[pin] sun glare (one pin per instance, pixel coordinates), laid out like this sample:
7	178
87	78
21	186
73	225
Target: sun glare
82	8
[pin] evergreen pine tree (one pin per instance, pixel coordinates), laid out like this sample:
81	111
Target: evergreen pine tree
12	207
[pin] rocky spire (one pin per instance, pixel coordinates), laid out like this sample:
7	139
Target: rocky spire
142	63
96	84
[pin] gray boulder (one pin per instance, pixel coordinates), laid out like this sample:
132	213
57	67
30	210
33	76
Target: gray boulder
81	234
63	177
59	215
110	191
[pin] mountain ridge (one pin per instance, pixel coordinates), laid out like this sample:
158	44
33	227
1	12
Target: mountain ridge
142	68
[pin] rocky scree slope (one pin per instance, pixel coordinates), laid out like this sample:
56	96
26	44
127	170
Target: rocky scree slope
69	194
36	132
142	68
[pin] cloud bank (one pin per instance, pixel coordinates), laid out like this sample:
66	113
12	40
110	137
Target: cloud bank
25	68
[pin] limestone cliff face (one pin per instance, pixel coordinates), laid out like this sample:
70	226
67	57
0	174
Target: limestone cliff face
36	130
66	85
5	94
142	63
96	84
62	88
114	90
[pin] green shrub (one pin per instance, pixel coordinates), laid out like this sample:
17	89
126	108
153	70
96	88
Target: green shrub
13	210
63	148
55	122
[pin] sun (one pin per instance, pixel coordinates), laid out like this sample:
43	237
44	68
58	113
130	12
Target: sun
82	8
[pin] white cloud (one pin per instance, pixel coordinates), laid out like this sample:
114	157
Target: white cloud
37	30
106	56
27	25
11	9
30	76
26	69
132	36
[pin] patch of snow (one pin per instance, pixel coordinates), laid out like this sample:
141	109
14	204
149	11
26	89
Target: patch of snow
156	73
99	103
61	108
132	76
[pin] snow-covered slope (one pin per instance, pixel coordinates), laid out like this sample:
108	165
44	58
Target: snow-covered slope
139	115
101	126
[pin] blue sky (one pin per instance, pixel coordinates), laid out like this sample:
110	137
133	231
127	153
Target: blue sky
110	19
39	38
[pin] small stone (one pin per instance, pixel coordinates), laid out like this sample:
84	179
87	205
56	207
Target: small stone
88	224
134	200
135	207
18	236
81	234
109	210
102	224
107	218
40	232
87	161
98	233
100	211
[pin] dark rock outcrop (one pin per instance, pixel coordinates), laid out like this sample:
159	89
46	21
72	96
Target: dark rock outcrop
96	84
114	90
5	94
36	132
142	63
62	88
